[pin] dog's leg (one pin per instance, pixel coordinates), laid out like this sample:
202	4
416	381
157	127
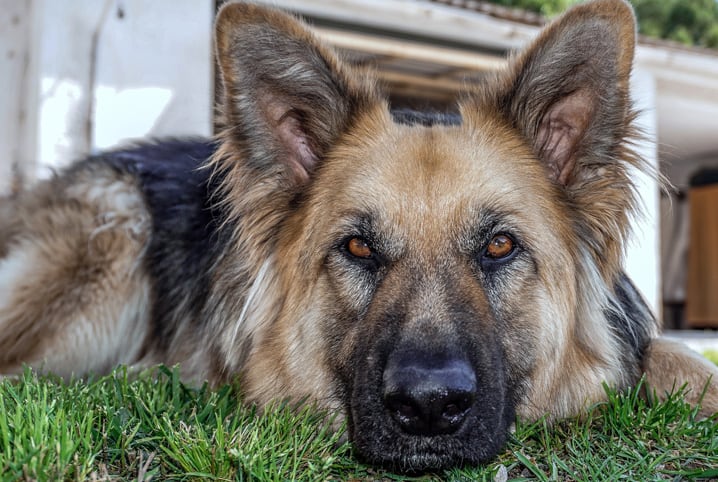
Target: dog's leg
669	364
73	296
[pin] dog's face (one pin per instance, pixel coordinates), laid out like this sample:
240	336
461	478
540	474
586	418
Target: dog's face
433	271
426	280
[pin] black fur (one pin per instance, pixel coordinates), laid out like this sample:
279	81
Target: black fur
426	119
186	236
632	320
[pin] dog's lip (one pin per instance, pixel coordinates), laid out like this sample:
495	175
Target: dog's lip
425	461
410	453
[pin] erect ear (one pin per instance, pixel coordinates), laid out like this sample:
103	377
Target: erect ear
567	95
286	97
568	92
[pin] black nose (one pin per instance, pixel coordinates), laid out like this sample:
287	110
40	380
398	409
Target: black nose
428	395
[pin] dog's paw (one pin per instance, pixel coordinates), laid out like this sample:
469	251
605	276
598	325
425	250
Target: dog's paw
670	365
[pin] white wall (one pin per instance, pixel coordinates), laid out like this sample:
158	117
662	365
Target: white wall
89	75
14	43
643	253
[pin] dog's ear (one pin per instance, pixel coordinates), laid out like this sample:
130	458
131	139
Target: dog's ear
286	97
567	94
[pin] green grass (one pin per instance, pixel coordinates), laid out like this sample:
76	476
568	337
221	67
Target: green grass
153	427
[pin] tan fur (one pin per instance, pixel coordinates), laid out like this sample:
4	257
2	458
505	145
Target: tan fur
71	245
669	365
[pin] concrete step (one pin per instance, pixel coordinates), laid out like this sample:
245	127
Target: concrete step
698	340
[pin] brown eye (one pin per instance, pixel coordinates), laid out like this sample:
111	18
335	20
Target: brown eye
359	248
499	247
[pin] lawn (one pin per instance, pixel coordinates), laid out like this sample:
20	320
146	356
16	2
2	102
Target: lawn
153	427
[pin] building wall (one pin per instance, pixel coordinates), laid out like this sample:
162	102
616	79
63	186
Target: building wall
83	76
14	75
643	251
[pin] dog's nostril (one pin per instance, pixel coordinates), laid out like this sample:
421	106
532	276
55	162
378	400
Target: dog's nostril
428	398
453	409
401	409
425	411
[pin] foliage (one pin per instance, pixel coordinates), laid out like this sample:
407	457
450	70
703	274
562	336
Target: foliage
691	22
548	8
151	426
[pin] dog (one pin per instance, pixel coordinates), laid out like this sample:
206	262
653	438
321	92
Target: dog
428	278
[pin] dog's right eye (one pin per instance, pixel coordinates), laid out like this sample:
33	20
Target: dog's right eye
359	248
360	252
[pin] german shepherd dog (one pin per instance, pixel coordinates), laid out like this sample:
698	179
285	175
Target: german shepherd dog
429	278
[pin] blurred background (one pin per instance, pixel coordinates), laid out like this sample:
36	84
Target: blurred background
79	76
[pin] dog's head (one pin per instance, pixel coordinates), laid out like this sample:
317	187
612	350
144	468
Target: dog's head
430	279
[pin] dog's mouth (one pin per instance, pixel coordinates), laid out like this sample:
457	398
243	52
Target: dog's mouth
425	411
416	454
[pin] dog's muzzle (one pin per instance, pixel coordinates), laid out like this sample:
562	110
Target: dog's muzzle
416	406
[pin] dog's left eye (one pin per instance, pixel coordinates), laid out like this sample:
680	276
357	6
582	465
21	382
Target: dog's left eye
500	247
